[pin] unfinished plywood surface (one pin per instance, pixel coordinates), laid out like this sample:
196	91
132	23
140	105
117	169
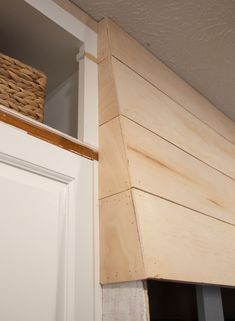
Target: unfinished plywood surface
121	255
173	154
108	103
149	107
160	168
103	40
113	167
179	244
130	52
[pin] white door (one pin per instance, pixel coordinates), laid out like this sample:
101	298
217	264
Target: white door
46	231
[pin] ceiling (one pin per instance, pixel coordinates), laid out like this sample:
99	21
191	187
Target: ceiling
196	39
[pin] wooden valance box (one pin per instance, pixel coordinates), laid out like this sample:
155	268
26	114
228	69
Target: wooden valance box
22	87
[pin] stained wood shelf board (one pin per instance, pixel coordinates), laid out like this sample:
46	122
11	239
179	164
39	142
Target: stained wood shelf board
46	133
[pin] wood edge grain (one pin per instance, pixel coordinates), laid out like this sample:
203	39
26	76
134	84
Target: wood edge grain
91	57
103	40
121	259
50	137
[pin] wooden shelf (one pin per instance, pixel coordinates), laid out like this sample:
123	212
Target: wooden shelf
46	133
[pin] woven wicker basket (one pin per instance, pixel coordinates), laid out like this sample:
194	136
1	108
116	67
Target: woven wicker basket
22	87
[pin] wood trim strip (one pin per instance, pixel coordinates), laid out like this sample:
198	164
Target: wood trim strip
48	136
91	57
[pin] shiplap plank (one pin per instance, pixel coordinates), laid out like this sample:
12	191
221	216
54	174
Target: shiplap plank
121	257
181	155
133	54
108	103
161	168
149	107
103	40
179	244
113	167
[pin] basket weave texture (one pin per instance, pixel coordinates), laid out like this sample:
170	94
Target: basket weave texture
22	87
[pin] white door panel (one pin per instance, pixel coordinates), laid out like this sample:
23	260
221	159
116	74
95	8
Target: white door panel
46	231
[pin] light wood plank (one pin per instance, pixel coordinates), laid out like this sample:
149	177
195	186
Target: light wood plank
103	40
149	107
108	104
161	168
179	244
156	238
121	257
129	51
113	167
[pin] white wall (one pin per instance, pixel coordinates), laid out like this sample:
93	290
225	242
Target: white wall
61	109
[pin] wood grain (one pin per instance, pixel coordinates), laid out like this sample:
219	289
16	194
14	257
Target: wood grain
179	244
47	135
120	252
167	172
113	170
130	52
90	57
152	109
108	103
103	40
161	168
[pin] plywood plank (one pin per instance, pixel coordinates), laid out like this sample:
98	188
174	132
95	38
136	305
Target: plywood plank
108	103
130	52
168	149
161	168
103	40
113	167
149	107
121	257
179	244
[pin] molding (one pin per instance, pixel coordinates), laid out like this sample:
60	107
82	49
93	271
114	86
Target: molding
91	57
68	213
76	274
32	168
53	137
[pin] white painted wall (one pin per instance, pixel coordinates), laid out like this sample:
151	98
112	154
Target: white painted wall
68	22
61	109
